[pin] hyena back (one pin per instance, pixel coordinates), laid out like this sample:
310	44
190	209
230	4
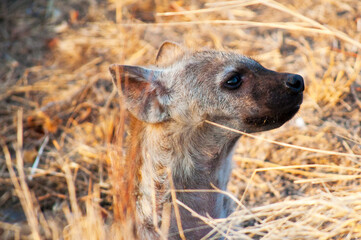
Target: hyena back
168	106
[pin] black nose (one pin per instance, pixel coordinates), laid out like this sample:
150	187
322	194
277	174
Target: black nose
295	83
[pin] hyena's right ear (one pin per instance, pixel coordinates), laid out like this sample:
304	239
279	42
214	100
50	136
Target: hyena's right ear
168	53
144	96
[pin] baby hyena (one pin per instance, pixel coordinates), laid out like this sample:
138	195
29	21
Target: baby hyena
168	106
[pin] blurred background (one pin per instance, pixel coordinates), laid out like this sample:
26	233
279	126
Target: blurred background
59	113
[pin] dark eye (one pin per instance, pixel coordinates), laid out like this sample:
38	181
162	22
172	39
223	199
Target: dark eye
234	82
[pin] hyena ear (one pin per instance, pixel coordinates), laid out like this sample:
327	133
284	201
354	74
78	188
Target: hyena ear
168	52
144	96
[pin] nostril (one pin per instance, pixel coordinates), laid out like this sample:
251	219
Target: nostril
295	83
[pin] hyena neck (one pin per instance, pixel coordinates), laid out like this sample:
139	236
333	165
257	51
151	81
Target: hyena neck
198	157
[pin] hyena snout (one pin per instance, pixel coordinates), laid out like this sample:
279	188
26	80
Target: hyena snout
295	83
278	100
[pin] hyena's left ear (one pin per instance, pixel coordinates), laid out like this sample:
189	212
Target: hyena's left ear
144	96
168	52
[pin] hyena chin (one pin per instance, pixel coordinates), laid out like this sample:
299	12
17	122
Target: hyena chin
168	105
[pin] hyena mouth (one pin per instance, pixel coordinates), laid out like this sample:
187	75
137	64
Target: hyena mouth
272	120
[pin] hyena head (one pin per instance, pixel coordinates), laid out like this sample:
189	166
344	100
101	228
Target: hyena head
225	87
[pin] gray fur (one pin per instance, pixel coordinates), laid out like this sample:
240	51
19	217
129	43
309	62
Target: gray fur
172	101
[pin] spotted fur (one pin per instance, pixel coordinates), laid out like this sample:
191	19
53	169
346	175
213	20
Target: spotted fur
168	104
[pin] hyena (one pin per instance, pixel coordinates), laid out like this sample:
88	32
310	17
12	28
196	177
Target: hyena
168	105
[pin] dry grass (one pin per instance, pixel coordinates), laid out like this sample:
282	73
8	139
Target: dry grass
61	173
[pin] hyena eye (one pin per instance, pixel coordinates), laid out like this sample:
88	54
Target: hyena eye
233	82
